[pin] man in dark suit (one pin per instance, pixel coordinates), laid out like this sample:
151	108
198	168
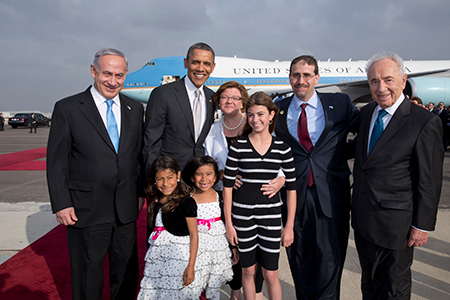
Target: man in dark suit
431	108
397	181
442	113
32	121
316	125
179	114
2	122
93	168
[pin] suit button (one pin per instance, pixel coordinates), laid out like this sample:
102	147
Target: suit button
119	181
118	158
304	177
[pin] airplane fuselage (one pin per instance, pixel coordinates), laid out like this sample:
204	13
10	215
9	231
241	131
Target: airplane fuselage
272	77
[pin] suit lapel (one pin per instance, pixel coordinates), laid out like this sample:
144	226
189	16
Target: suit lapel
365	127
284	107
90	111
326	103
396	122
209	115
183	100
125	111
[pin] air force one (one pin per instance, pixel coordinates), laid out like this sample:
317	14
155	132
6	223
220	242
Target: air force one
427	79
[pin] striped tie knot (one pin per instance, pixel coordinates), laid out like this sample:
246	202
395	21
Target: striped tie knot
378	129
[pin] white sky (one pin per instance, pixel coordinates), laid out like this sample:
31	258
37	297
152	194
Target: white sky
46	47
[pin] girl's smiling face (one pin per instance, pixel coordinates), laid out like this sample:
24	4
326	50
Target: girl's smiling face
166	181
258	117
204	178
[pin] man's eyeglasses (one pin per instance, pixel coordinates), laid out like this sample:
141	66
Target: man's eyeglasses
305	76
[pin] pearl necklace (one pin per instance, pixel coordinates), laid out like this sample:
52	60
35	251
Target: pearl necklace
233	128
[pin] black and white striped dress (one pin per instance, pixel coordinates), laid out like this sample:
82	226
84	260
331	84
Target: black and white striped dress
256	218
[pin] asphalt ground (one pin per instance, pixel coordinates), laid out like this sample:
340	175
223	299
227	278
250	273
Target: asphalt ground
25	215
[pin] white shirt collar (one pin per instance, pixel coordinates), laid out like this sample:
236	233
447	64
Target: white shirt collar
313	101
190	87
392	109
99	99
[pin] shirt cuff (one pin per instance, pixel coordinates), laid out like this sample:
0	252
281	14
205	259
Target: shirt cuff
419	229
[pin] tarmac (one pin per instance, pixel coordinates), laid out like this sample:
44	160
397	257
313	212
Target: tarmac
25	216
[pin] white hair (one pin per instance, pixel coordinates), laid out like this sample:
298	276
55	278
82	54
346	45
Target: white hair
386	54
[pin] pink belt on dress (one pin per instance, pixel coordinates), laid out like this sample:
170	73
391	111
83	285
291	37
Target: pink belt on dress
207	221
158	230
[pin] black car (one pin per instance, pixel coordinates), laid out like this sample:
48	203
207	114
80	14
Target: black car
23	119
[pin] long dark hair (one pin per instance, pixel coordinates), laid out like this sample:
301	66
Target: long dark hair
198	162
152	193
260	98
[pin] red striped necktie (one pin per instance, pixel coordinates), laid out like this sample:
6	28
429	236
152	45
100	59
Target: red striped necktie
304	138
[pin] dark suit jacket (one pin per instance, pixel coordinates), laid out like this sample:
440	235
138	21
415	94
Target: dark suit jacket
83	169
169	125
328	158
399	183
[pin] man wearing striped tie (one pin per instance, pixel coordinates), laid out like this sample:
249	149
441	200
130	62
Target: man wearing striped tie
397	181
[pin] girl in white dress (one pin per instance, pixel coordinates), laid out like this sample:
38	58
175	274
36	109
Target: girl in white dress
170	270
214	255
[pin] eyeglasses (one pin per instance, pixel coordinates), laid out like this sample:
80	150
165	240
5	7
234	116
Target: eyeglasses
235	98
305	76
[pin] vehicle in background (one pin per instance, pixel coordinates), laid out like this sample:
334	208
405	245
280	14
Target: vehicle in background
23	119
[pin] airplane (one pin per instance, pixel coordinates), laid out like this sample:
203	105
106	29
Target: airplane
427	79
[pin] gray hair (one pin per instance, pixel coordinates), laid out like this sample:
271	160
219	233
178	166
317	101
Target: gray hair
386	54
200	46
107	51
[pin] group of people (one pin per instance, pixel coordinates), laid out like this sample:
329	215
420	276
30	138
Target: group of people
281	169
444	114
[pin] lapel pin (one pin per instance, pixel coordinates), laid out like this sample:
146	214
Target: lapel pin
281	112
330	107
129	108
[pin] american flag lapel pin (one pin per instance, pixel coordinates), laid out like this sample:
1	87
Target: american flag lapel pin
330	107
129	108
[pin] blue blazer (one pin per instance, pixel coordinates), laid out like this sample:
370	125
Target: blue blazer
329	156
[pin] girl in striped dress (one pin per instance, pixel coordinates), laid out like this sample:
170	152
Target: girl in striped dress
253	220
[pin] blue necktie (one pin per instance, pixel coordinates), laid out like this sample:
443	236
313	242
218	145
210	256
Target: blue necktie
378	129
112	125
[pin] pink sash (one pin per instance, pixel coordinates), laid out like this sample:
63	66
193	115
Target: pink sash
207	221
158	230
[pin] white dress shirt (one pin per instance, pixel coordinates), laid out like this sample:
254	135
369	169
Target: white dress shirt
103	107
190	88
314	114
386	119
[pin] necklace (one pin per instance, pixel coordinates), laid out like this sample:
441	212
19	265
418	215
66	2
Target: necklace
233	128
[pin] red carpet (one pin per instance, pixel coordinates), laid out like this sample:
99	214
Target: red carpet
24	160
41	271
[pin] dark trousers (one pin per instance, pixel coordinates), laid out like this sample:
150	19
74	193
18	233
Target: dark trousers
386	273
318	253
88	247
33	126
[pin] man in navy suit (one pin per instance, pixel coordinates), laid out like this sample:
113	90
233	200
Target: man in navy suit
316	125
93	174
397	181
173	126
